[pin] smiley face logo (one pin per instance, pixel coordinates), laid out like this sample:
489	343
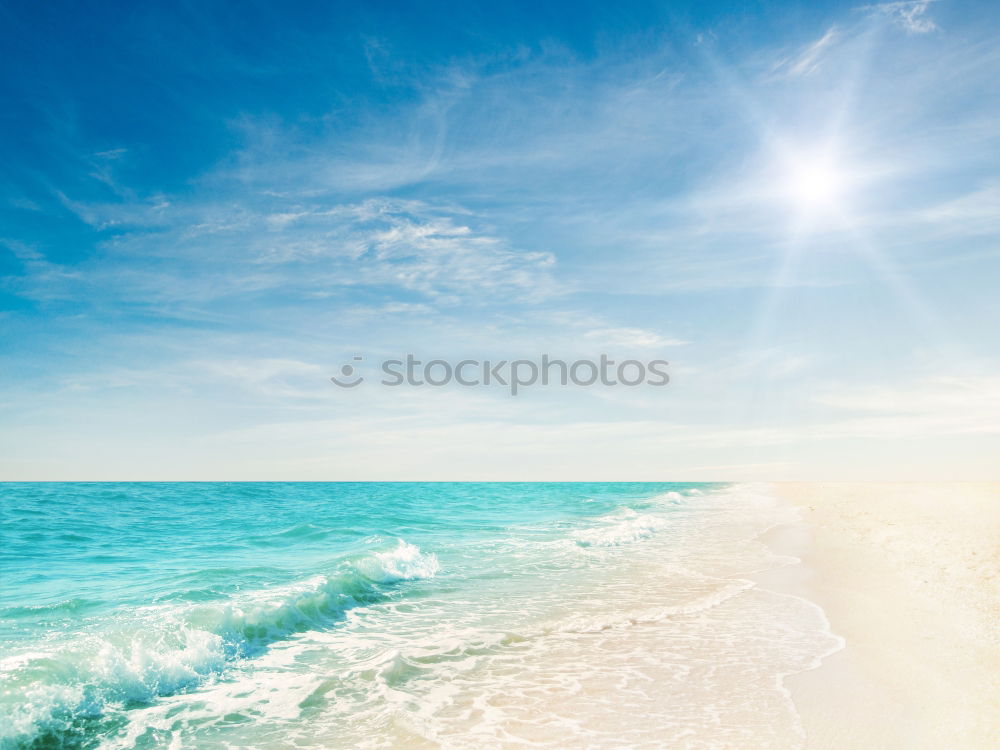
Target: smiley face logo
348	372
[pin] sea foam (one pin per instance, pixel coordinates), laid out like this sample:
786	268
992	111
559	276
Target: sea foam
163	650
621	528
404	563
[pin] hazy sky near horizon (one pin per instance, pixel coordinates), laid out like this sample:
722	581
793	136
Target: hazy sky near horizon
208	208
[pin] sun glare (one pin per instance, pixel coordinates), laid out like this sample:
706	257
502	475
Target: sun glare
814	183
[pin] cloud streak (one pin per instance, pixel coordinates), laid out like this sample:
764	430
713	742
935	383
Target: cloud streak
910	15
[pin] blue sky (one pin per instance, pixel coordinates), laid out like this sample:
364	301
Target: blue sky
208	208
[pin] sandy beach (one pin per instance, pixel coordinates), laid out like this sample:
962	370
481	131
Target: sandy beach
909	576
627	620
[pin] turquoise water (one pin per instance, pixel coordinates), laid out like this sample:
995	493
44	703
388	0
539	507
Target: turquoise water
383	614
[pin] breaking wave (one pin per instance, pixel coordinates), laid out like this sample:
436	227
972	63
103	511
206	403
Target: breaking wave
164	650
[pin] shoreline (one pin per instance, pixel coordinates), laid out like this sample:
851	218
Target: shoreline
908	575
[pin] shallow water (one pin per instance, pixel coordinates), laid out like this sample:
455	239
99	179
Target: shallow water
460	615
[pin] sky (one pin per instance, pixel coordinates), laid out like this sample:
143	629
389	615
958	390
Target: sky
209	208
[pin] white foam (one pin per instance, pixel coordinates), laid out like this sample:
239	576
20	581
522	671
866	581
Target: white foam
622	528
650	615
88	674
404	563
163	650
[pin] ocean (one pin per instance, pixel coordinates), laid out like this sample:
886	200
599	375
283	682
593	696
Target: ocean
411	615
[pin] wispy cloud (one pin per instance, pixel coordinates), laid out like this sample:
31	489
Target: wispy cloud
630	339
966	404
977	212
428	249
809	59
908	14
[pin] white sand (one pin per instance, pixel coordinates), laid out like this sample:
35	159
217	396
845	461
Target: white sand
909	575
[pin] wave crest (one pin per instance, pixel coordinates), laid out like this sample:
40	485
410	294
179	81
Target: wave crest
623	528
170	649
405	563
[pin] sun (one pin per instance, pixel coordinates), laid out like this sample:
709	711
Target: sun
815	183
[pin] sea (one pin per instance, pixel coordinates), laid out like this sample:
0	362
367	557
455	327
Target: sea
397	615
